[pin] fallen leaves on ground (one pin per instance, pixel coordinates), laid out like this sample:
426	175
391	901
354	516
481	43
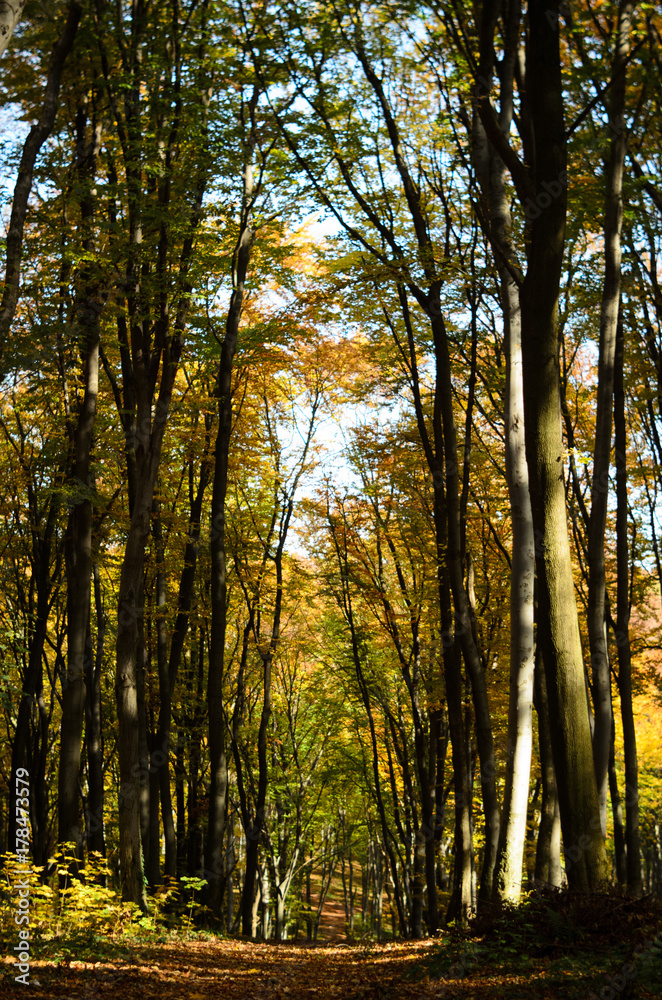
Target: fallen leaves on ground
239	970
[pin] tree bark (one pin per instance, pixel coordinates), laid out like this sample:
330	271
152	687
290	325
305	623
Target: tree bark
11	12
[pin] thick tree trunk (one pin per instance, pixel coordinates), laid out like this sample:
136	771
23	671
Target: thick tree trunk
613	216
558	625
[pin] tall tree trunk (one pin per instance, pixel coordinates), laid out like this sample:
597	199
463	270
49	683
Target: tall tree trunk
558	625
150	334
39	769
613	216
217	749
463	631
632	838
520	708
340	544
491	173
78	542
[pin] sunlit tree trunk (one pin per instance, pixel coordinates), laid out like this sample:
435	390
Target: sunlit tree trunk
11	12
491	175
520	709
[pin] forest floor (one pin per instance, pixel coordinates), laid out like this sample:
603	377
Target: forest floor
556	946
230	969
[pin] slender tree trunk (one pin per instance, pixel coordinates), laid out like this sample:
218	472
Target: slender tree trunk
520	710
460	906
254	834
416	922
463	629
94	731
131	745
492	178
632	838
38	768
217	750
78	543
617	814
180	771
613	216
445	473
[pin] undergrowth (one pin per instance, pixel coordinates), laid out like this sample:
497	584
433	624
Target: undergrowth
605	940
82	916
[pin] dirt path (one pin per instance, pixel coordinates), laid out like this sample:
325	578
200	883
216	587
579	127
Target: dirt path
242	970
234	970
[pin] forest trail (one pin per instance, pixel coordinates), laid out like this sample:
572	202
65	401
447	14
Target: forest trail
239	970
243	970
